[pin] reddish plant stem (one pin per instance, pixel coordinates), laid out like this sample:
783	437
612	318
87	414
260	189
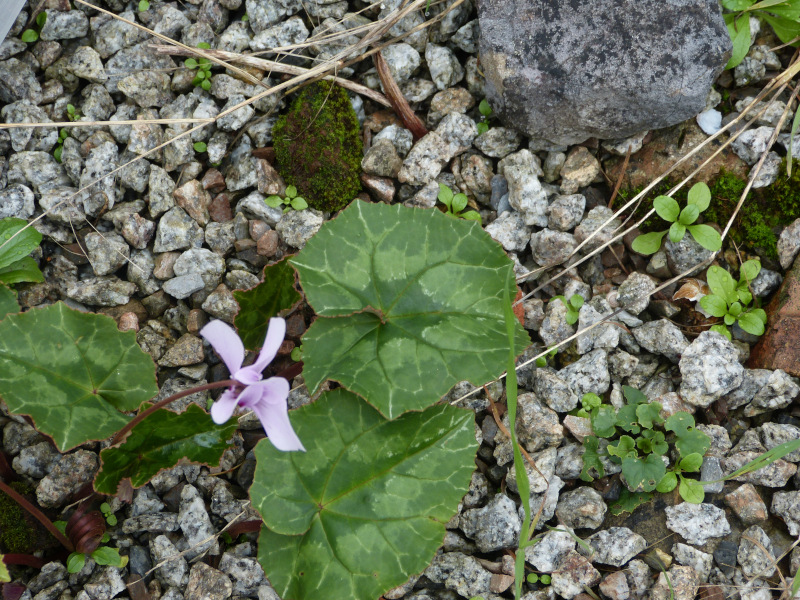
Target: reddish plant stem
37	514
162	403
28	560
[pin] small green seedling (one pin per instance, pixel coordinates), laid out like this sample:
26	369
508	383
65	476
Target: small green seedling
105	508
573	307
72	113
62	137
17	241
730	300
682	221
536	578
297	353
200	147
31	35
640	453
144	5
102	556
542	360
486	113
456	203
245	17
589	402
292	200
202	76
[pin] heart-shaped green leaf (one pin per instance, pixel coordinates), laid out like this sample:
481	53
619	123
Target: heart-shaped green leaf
8	301
410	303
159	442
17	240
258	305
591	459
629	501
604	419
643	474
625	446
365	507
647	414
691	490
74	373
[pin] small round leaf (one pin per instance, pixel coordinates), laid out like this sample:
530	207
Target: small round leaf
691	490
667	208
676	232
714	305
699	196
667	483
689	214
299	204
190	63
29	36
751	323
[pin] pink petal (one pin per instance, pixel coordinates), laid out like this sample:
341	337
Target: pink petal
226	343
275	334
224	406
273	413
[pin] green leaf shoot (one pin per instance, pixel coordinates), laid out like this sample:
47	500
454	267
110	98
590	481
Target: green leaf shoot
648	243
667	208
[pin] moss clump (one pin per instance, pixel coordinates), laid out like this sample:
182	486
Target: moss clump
764	212
318	148
17	536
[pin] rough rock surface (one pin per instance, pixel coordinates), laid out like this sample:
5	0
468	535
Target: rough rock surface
565	71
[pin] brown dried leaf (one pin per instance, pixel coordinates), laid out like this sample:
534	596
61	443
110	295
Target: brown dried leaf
692	290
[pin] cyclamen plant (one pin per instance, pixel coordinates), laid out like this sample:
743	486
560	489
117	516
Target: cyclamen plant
396	340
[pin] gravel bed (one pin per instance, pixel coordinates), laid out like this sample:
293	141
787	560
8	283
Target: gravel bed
171	236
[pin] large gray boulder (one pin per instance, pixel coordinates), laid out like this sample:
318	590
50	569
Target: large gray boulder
567	70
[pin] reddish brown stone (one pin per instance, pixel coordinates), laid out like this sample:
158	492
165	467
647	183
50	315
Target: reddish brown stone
286	348
269	180
380	188
268	243
213	181
220	209
257	228
295	326
129	322
267	153
192	198
134	307
779	348
195	320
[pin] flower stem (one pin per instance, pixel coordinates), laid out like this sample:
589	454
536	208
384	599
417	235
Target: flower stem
162	403
39	515
29	560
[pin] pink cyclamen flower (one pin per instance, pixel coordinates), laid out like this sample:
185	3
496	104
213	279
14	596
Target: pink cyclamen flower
266	397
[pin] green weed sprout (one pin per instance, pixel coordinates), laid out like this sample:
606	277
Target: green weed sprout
783	16
486	112
292	200
72	113
144	5
682	221
639	453
589	402
297	353
108	513
536	578
102	556
245	17
542	360
573	306
202	76
200	147
31	35
62	137
731	300
456	203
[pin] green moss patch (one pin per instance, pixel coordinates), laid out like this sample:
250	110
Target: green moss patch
318	147
17	536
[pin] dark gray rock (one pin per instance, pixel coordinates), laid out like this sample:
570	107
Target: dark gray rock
566	71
